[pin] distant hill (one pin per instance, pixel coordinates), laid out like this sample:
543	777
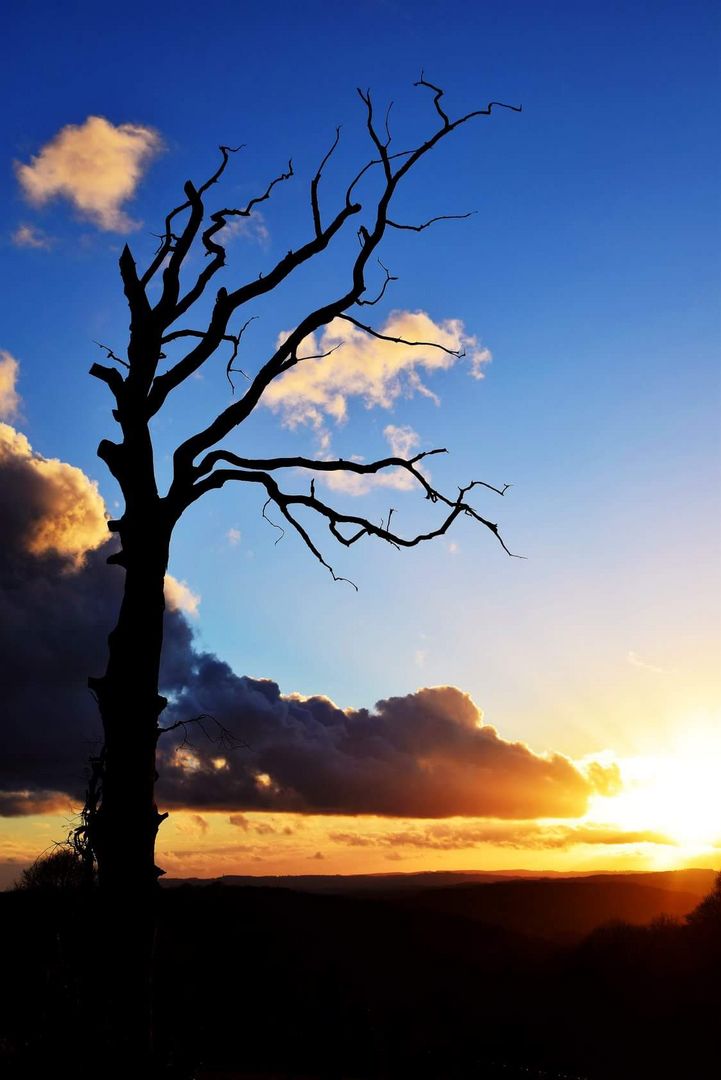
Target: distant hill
348	884
697	881
564	909
551	907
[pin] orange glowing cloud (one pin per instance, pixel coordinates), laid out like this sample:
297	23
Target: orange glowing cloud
180	597
9	397
67	511
96	165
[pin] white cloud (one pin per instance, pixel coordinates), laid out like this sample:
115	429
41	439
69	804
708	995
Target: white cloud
403	442
233	536
637	661
29	236
95	165
9	397
316	392
180	597
252	228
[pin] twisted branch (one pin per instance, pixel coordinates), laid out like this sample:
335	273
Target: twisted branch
258	471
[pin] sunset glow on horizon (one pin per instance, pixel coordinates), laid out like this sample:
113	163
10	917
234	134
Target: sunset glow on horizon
638	828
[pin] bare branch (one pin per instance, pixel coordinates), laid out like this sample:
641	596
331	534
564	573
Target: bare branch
436	100
270	521
369	165
132	286
224	737
311	546
184	488
315	182
111	355
219	220
388	130
432	221
336	520
266	194
230	370
110	376
226	303
382	147
295	359
399	340
233	338
169	238
361	468
389	277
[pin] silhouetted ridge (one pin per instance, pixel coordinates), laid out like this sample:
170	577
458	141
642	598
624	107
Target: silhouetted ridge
273	982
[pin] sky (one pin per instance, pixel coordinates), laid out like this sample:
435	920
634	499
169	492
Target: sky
584	290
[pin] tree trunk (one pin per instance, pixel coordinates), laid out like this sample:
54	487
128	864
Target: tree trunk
125	825
127	820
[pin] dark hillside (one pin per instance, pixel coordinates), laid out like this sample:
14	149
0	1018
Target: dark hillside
557	909
274	983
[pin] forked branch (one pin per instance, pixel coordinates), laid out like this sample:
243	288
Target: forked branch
259	470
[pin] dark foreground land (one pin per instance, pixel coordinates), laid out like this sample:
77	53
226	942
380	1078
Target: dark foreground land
612	976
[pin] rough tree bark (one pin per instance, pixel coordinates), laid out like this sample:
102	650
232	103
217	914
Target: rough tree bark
121	820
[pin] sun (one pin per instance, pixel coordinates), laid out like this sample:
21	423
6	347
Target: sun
676	793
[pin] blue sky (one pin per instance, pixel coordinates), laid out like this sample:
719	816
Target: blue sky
590	271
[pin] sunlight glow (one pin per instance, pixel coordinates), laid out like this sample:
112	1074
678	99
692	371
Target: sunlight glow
676	793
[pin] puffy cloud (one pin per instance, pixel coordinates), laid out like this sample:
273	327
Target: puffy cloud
58	601
61	510
54	610
604	775
96	165
180	597
427	754
9	397
378	372
33	801
29	236
191	825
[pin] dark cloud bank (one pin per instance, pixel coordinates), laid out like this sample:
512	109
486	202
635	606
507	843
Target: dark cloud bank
423	755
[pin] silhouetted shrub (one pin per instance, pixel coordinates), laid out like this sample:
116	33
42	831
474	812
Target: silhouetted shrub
708	913
62	868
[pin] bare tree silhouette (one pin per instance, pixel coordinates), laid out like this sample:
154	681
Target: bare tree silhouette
121	820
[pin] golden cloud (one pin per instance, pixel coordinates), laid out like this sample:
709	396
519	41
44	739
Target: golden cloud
521	835
95	165
28	236
378	372
9	397
27	803
68	512
180	597
424	755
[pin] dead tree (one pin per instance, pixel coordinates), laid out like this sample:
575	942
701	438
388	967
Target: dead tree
121	819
